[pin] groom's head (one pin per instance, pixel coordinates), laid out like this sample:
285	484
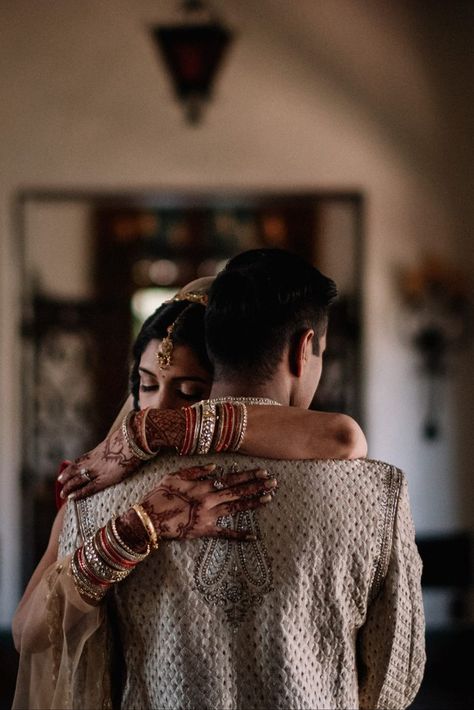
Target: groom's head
268	314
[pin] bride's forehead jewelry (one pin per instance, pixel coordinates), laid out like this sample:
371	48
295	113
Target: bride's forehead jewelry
193	297
165	350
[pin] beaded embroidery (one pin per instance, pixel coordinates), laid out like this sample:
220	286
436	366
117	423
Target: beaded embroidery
234	575
389	502
85	518
245	400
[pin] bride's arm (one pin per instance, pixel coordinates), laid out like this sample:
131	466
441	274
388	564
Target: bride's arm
185	504
276	432
272	432
293	433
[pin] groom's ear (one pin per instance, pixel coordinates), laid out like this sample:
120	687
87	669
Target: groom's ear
300	351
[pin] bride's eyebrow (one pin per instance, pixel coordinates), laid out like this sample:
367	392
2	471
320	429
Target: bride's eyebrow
147	372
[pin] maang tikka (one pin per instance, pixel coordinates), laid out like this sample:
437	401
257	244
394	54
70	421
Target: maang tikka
165	351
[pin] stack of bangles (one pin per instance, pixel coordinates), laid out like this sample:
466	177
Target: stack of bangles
106	559
209	426
214	426
142	452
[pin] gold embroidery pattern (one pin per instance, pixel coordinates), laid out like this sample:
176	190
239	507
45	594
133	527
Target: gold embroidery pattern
234	575
389	504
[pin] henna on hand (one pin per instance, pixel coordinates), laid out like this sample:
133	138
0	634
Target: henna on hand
187	505
109	463
113	460
164	428
183	511
116	449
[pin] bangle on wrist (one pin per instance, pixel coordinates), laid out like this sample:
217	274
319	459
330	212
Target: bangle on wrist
144	438
147	523
193	417
207	427
135	449
121	547
232	426
214	426
138	432
102	561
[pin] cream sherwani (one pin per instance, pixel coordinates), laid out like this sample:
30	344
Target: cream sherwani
324	610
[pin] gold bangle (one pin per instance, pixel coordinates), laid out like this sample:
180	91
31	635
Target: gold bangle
143	433
147	523
242	428
136	451
135	556
83	585
207	428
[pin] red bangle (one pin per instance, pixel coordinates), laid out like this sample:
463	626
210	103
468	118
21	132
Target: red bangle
88	573
230	426
190	418
112	553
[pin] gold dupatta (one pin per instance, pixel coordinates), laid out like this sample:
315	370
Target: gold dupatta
64	659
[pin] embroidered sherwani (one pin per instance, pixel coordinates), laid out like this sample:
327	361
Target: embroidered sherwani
324	610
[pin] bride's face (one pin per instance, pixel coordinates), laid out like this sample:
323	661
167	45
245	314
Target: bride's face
184	382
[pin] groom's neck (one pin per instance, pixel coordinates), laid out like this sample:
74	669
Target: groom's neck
242	387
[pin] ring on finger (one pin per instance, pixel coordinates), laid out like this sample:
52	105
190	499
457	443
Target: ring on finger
224	521
85	474
218	484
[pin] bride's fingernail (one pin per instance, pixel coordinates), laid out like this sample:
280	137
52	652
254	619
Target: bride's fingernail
270	484
71	496
209	467
262	473
60	478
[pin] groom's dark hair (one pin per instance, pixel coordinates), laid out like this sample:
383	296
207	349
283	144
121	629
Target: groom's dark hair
263	300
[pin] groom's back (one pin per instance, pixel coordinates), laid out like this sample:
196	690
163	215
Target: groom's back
272	623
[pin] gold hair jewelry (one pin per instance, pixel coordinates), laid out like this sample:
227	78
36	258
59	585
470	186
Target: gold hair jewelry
199	295
193	297
195	291
164	352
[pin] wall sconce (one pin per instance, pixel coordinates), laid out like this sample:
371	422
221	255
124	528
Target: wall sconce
192	51
436	295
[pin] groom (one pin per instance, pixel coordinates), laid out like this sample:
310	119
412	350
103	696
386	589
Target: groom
343	623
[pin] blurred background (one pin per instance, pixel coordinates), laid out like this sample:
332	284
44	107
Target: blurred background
134	159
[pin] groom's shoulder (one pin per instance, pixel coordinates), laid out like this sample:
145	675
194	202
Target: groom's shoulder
349	467
362	469
367	485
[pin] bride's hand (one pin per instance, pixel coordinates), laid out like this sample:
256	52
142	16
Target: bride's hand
189	503
113	459
109	463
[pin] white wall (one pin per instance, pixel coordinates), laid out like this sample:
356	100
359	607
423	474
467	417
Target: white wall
332	94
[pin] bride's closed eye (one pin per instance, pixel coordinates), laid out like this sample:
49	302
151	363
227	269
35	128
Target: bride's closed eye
148	388
186	391
191	396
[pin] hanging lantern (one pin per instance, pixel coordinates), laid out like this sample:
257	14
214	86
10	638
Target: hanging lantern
192	52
